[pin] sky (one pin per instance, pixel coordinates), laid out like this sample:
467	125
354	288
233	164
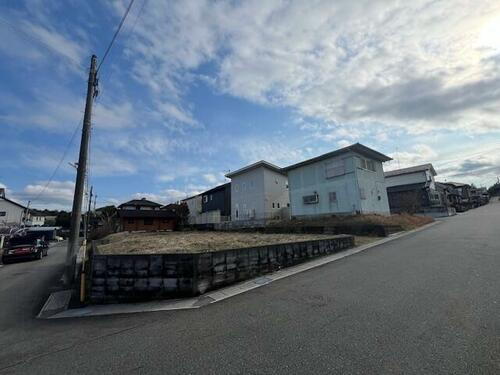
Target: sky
194	89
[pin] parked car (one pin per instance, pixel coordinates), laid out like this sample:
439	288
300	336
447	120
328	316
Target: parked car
36	250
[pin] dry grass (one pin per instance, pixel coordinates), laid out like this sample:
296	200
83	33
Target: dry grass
194	242
406	221
364	240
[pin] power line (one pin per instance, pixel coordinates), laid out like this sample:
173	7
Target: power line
68	145
115	35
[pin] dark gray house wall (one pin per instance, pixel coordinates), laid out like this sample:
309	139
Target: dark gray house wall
218	198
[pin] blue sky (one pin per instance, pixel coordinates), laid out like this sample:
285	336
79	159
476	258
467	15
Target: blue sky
193	89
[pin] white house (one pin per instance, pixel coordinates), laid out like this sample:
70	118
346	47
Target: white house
346	181
37	219
194	206
11	212
414	189
259	191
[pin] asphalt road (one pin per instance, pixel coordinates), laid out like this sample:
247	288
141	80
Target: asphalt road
428	303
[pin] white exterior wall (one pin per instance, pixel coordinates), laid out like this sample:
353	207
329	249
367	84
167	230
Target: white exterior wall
37	220
254	192
406	179
412	178
374	197
247	195
311	178
13	214
275	191
194	207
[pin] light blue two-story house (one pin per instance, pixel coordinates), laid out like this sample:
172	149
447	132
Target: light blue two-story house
346	181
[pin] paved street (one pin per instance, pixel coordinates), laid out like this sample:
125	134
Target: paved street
428	303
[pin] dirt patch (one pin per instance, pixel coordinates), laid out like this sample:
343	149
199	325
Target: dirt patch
194	242
406	221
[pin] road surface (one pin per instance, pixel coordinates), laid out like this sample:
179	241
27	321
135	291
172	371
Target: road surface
428	303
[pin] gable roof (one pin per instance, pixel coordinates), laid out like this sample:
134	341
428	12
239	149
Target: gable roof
416	168
191	197
357	148
261	163
140	202
14	203
217	188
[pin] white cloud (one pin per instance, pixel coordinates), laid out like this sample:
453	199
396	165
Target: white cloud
167	196
252	150
417	154
348	62
55	195
344	143
105	163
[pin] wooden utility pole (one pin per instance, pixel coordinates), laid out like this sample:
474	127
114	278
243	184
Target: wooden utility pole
76	212
87	216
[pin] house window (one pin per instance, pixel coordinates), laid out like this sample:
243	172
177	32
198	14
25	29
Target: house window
273	204
288	204
310	199
276	181
367	164
3	213
130	221
334	168
362	193
333	196
236	187
211	197
278	205
205	198
236	213
148	221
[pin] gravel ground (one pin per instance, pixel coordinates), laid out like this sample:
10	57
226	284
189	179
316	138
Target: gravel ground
195	242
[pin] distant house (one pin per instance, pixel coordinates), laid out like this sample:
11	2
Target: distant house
414	190
216	204
450	195
12	212
259	191
463	190
346	181
37	219
210	207
145	215
194	207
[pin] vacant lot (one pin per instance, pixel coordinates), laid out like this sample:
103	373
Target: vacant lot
194	242
406	221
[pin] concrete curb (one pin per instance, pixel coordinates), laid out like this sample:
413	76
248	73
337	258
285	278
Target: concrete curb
216	295
56	303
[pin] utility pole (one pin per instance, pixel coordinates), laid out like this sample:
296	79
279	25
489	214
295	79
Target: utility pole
87	217
76	212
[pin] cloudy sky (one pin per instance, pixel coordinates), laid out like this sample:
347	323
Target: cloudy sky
193	89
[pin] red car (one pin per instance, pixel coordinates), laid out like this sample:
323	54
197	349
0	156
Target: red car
26	251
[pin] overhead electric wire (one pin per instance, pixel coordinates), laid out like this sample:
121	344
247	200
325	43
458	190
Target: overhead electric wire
115	35
65	153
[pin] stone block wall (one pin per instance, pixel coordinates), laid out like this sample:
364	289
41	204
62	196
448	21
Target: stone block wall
142	277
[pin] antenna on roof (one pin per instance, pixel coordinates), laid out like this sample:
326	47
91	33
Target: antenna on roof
397	157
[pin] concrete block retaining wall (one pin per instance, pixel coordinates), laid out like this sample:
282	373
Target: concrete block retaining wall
124	278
